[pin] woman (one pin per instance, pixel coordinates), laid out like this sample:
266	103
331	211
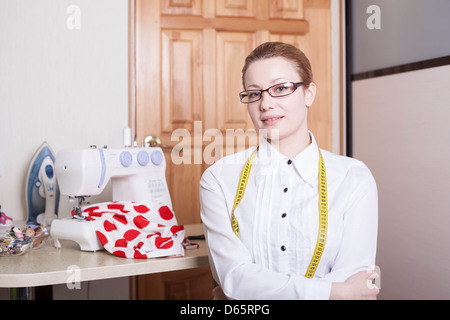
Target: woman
303	224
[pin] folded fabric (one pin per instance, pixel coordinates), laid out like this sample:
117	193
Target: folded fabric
136	230
5	220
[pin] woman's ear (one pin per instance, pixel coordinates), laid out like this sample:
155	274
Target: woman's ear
310	94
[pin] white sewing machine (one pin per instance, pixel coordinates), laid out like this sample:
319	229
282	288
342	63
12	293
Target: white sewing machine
136	174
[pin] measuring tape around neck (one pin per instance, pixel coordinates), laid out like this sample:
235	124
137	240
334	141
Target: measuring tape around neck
323	210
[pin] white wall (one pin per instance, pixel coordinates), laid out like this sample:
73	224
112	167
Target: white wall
68	87
400	130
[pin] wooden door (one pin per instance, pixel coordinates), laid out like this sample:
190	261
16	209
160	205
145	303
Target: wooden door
189	56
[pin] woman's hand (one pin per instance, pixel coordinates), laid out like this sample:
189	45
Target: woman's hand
358	287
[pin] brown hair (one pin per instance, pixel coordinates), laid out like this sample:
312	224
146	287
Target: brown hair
279	49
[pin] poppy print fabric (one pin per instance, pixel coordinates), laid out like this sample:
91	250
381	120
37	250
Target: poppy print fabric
136	230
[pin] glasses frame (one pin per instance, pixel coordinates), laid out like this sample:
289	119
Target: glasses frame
296	85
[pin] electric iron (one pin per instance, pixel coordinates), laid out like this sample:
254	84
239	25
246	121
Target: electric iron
42	190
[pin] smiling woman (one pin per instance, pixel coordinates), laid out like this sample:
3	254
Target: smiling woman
276	64
286	114
299	212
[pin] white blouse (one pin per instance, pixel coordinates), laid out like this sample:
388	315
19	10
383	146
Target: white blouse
279	219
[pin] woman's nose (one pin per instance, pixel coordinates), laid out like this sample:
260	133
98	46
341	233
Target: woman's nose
266	101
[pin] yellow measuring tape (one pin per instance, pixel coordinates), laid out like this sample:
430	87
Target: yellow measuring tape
240	191
323	210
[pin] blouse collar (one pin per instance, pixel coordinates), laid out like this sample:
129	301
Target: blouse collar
306	163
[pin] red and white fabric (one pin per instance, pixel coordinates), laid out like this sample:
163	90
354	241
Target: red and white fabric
136	230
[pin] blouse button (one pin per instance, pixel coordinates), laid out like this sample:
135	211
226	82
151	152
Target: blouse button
283	248
289	161
285	190
284	215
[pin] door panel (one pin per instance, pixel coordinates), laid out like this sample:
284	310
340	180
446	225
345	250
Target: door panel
236	8
185	7
286	9
181	79
232	48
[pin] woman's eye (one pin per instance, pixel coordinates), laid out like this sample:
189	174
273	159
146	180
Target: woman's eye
281	88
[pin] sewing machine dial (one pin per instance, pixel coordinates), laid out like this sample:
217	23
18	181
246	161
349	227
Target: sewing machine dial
126	159
143	158
157	157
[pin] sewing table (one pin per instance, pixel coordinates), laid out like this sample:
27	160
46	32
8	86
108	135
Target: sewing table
48	265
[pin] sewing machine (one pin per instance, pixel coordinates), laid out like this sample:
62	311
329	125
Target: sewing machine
136	174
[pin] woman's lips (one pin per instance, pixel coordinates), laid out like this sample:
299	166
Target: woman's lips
271	120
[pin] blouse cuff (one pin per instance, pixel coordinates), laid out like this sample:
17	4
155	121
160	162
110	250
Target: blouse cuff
317	289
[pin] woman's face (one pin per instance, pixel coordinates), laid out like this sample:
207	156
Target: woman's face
284	118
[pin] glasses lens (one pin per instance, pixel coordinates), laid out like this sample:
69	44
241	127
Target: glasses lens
250	96
282	89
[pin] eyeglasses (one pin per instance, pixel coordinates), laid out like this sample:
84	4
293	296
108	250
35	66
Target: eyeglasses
278	90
